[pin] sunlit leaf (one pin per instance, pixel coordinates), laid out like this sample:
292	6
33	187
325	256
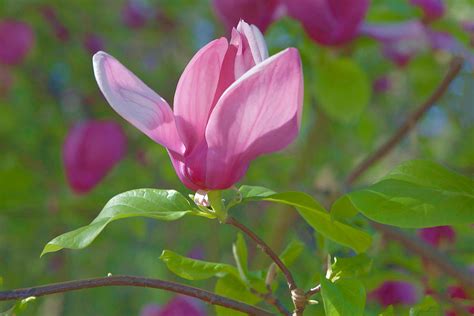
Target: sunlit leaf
192	269
165	205
315	215
292	252
345	297
418	193
230	286
427	307
239	249
350	267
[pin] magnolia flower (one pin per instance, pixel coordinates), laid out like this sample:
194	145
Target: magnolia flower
178	306
232	104
91	150
260	13
400	41
16	40
432	9
437	236
329	22
394	293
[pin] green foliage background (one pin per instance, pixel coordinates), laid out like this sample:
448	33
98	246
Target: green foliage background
343	121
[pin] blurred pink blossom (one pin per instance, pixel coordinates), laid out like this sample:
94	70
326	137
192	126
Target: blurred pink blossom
437	236
151	310
432	9
400	41
394	293
134	14
93	43
90	151
261	13
232	104
183	306
329	22
381	84
16	40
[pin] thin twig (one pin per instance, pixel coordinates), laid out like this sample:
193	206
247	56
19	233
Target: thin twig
265	248
429	253
272	300
124	280
299	300
313	291
408	125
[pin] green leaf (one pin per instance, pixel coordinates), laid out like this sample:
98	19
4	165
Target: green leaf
388	311
239	249
343	208
345	297
350	267
19	307
292	252
315	215
416	194
192	269
427	307
166	205
230	286
342	89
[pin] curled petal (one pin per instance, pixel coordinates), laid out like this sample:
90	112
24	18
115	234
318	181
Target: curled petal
258	114
195	93
136	102
255	39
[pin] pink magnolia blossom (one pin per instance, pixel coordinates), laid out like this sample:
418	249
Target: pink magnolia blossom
16	40
394	293
151	310
329	22
437	236
400	41
90	151
177	306
260	13
432	9
232	104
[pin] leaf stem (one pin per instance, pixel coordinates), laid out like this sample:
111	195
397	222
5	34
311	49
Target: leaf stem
125	280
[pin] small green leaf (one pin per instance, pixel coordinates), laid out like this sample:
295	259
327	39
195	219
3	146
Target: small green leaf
230	286
165	205
350	267
192	269
292	252
427	307
315	215
343	208
343	89
19	307
345	297
417	194
388	312
239	249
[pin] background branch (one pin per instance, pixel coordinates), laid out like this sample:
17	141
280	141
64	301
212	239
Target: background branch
124	280
408	125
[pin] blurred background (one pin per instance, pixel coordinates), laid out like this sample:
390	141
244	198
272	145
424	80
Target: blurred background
64	152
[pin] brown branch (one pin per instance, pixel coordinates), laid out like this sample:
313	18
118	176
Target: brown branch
295	291
408	125
272	300
429	253
124	280
265	248
313	291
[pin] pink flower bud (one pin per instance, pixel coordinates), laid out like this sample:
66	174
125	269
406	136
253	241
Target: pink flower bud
232	104
90	151
395	293
261	13
329	22
16	40
437	236
432	9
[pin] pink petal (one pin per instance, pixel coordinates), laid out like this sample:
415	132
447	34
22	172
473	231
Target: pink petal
432	9
258	114
256	41
136	102
90	151
195	93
